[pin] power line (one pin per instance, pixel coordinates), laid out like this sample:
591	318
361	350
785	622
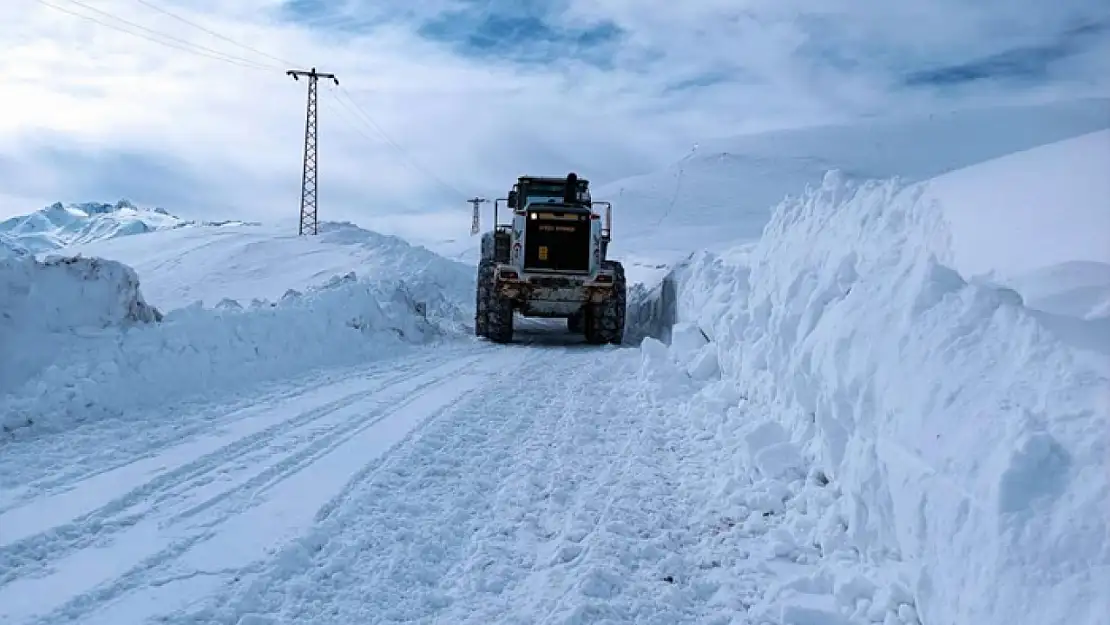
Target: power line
158	37
308	190
345	112
212	32
363	116
361	113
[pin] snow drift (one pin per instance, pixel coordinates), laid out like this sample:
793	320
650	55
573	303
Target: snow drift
180	266
968	439
44	304
80	342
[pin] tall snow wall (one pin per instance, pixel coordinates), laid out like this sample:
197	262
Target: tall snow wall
969	442
79	343
44	305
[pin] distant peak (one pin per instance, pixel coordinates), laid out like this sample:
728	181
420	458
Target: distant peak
103	208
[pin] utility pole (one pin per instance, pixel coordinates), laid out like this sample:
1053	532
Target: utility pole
476	222
308	175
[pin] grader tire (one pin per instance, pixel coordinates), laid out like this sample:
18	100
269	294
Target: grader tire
604	322
481	305
499	315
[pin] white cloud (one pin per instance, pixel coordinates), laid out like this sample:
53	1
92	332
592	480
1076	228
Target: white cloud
477	124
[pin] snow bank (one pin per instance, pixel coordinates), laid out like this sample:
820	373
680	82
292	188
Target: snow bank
43	304
180	266
968	439
79	342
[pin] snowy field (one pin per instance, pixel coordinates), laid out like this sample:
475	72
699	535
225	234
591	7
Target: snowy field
883	402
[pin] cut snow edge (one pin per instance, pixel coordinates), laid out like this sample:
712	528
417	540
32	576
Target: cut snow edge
969	440
80	343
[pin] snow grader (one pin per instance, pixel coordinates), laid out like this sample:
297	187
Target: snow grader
550	260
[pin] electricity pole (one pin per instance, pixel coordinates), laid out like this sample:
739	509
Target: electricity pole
308	175
476	221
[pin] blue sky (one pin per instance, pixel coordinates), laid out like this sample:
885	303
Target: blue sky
477	92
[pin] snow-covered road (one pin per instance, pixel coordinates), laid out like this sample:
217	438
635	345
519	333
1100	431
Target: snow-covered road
540	483
161	528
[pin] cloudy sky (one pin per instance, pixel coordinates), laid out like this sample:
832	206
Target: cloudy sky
185	103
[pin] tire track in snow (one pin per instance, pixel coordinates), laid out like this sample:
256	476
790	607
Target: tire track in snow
389	549
627	526
85	447
581	543
524	550
654	546
233	553
130	492
140	536
97	447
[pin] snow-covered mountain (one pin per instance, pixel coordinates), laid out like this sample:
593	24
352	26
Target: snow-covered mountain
61	225
9	246
724	190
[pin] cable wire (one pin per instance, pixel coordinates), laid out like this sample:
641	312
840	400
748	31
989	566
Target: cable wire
158	37
347	102
212	32
362	115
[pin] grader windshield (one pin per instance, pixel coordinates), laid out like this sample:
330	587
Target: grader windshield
545	191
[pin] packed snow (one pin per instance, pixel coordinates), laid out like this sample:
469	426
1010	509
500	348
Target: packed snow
872	402
47	306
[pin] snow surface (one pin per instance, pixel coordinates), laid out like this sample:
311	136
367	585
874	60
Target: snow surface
850	422
209	263
10	247
1075	288
1030	210
233	296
